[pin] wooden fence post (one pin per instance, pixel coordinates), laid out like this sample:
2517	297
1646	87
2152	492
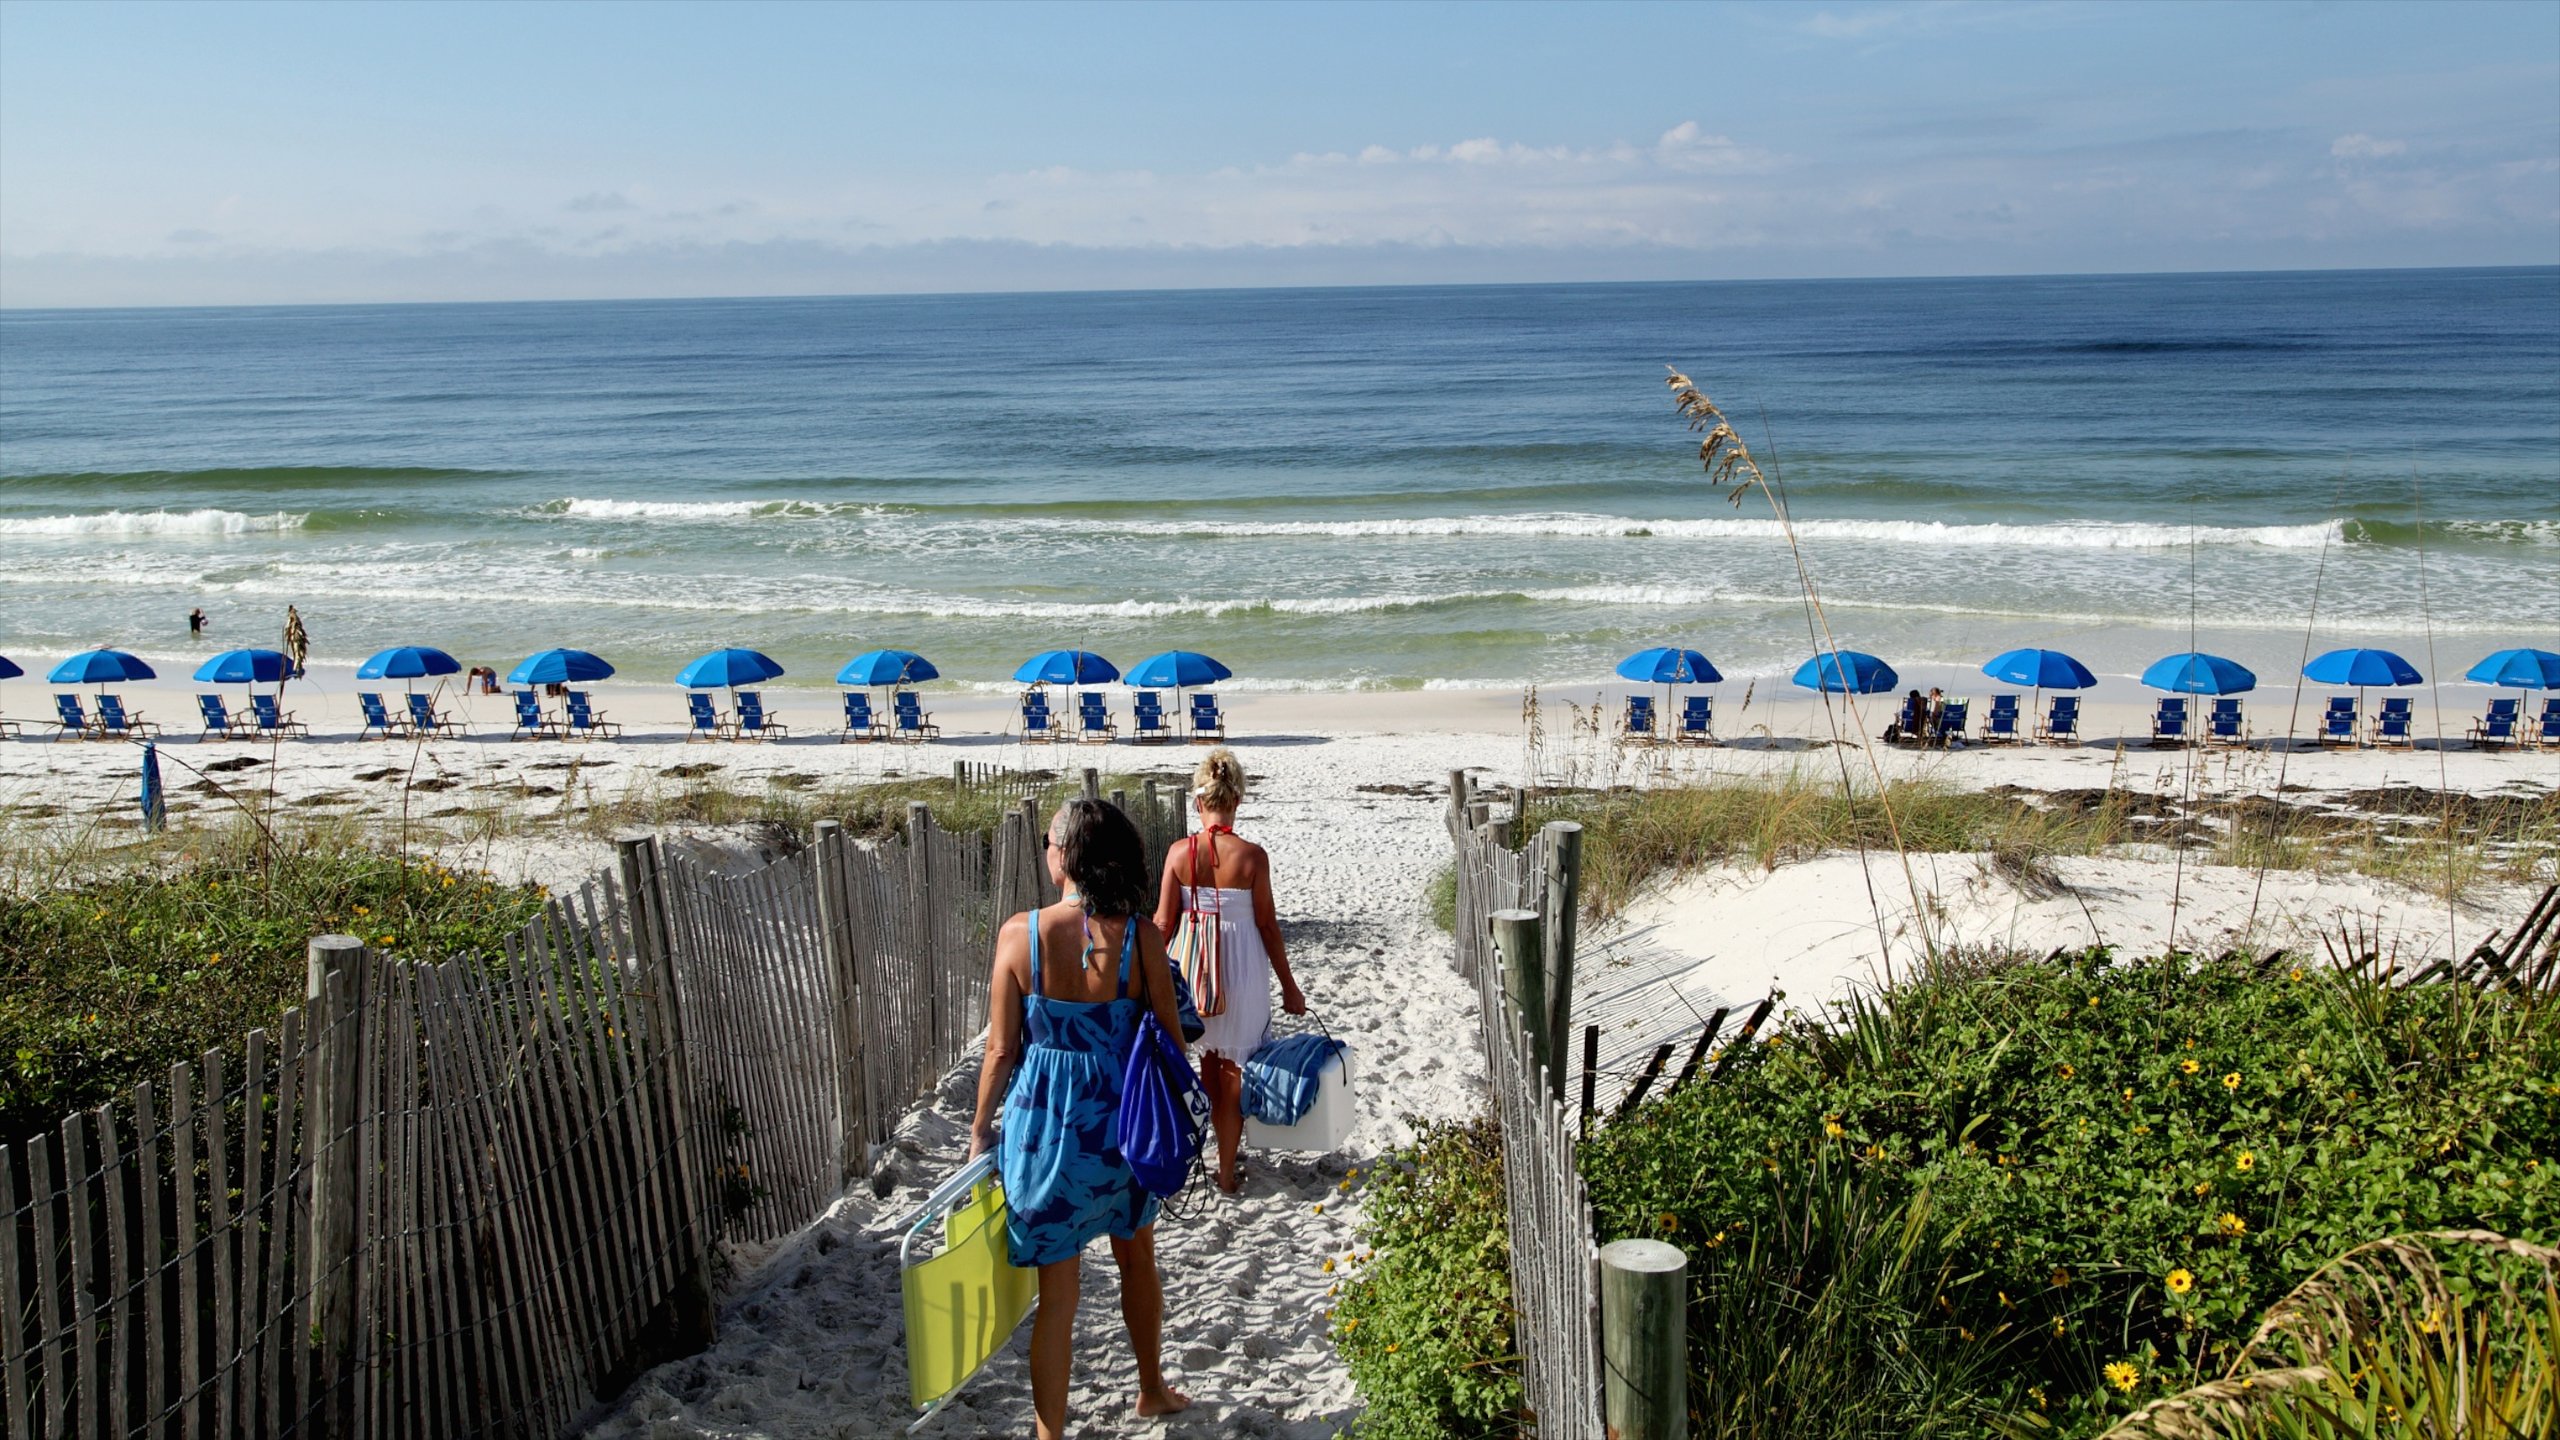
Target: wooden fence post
1564	895
337	985
653	937
1092	783
1644	1341
1524	981
928	954
835	932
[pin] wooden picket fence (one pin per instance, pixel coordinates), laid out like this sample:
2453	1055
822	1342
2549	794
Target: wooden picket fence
478	1197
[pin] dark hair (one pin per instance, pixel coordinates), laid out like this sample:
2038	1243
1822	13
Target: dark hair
1101	852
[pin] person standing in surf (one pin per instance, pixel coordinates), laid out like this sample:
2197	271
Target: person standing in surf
1062	1011
1220	883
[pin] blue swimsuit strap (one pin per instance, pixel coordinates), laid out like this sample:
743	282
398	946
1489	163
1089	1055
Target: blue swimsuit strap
1128	951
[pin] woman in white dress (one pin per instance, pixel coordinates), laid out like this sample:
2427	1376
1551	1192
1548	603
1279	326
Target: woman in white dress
1217	877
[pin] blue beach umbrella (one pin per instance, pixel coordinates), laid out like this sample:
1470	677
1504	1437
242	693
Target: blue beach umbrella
559	667
99	667
9	669
2519	669
886	667
2195	673
408	662
1176	670
2361	668
727	668
245	667
1066	667
1669	665
2042	669
1850	672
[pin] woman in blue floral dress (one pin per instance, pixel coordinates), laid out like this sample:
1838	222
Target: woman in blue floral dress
1063	1003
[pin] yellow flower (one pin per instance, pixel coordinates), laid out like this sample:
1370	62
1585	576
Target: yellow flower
2248	1160
2204	1187
2232	1224
2190	1065
2124	1376
1831	1126
1319	1207
2181	1281
1351	1324
1668	1221
1328	1264
2093	1002
361	910
2433	1322
2060	1324
2231	1081
214	959
2297	975
1391	1347
1345	1187
2067	1071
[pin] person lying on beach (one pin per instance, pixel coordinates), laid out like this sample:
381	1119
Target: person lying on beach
1063	1006
1222	882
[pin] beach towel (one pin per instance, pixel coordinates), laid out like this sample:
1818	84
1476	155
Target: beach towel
1284	1077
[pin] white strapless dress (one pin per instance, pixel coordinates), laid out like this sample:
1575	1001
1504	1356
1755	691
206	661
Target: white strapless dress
1243	964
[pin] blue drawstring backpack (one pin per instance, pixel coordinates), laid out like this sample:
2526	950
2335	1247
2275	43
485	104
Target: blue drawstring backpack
1160	1107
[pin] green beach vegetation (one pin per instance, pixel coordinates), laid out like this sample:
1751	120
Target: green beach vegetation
2008	1197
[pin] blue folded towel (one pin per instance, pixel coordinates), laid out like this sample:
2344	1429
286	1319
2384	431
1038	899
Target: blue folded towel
1283	1077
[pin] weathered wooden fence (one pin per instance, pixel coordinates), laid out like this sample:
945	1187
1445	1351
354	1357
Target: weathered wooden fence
477	1197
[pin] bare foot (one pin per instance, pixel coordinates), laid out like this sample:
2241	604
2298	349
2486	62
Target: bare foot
1167	1401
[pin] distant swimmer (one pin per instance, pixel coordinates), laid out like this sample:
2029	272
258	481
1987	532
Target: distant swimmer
196	622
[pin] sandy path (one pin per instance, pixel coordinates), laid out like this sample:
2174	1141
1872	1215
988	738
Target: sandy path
811	1344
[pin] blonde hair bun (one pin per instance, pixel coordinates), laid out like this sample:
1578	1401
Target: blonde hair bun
1219	782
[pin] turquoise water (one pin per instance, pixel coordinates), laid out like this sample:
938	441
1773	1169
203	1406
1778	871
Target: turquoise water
1325	488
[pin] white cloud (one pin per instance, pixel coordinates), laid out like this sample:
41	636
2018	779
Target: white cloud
2361	146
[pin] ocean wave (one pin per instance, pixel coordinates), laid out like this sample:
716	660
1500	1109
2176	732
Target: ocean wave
123	524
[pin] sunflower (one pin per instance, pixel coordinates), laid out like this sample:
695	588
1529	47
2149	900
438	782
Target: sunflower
2124	1375
2190	1066
2232	1224
2181	1281
2231	1081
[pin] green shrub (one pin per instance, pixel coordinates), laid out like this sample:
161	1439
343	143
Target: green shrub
2124	1163
107	983
1426	1325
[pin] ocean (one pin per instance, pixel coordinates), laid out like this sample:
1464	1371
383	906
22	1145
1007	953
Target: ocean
1327	489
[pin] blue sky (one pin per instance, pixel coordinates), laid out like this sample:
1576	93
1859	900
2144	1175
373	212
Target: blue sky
217	154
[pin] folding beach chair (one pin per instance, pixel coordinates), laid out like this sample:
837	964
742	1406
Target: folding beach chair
702	722
426	719
219	723
1638	722
1147	724
1698	721
907	717
274	721
2546	730
70	720
753	723
2225	726
858	724
378	720
531	723
1208	722
2498	727
1037	728
1093	719
2000	727
1951	718
586	722
967	1298
2169	723
2338	722
2392	727
1909	719
115	724
2061	722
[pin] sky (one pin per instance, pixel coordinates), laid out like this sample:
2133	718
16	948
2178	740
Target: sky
212	153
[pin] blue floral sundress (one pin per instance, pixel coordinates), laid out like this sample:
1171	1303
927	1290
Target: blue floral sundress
1064	1180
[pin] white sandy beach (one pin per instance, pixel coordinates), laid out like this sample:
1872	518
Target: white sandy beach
1348	797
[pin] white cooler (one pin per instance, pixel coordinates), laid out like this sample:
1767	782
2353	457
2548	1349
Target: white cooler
1327	1123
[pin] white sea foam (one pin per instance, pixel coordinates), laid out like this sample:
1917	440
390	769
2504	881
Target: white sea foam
654	509
128	524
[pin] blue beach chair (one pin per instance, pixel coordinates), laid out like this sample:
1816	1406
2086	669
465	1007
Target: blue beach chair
2546	730
219	723
1037	727
2225	725
753	722
587	722
1951	719
1638	724
115	724
2498	727
70	721
2338	722
2169	724
2061	722
2000	727
2392	727
1093	719
1698	721
858	724
1147	724
531	723
908	720
426	719
378	720
274	721
1208	722
702	721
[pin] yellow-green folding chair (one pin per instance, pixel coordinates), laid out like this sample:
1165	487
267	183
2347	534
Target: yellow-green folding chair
965	1301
